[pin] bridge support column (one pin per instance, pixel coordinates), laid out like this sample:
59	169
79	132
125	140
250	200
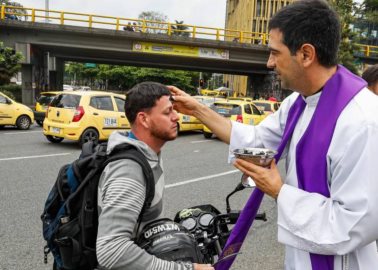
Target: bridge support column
27	84
56	73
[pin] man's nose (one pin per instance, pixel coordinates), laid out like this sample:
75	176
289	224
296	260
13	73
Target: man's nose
175	117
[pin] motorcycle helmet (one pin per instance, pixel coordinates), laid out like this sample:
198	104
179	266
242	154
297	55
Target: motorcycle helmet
169	241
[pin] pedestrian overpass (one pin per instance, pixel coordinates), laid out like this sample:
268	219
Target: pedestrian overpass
49	38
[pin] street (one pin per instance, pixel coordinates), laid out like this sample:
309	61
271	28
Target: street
196	170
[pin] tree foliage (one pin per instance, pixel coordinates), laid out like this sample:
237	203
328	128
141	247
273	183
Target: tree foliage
122	78
346	10
9	64
154	21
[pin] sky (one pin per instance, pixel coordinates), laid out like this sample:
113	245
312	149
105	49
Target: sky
210	13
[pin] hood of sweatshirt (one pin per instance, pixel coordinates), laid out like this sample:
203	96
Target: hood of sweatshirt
119	137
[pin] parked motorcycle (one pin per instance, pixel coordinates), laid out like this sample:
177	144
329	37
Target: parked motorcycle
197	234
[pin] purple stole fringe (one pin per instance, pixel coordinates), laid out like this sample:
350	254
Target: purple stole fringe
311	160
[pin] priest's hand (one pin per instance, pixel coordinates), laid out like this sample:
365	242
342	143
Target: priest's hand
267	180
182	102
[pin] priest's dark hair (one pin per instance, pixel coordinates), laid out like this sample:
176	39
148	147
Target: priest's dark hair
313	22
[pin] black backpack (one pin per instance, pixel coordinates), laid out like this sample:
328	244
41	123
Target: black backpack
70	218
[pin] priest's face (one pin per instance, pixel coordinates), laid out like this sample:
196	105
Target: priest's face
286	65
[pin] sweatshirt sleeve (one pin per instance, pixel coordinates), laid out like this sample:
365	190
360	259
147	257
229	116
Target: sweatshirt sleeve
121	196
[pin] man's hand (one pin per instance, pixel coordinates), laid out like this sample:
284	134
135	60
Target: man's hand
202	266
268	180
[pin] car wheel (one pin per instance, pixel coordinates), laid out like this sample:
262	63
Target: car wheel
2	127
89	134
23	122
207	135
39	122
54	139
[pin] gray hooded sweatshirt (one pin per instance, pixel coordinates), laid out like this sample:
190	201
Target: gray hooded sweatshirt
121	194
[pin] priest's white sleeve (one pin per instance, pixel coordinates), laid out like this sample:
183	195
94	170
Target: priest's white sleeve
348	219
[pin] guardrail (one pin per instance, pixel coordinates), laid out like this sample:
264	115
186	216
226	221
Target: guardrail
145	26
367	50
130	24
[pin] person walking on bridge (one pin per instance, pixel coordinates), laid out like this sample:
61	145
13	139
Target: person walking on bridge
326	131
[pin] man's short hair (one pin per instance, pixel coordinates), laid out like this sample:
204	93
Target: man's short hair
370	75
313	22
143	97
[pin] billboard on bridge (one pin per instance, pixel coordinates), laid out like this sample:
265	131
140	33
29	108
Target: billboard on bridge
180	50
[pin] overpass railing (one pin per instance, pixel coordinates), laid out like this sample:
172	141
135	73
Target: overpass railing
145	26
367	50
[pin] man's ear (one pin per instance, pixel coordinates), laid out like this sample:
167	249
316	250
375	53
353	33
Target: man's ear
142	119
308	54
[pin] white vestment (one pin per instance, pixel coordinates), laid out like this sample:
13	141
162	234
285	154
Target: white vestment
346	224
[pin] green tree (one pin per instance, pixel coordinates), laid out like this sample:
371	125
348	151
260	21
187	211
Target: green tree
346	10
9	63
155	22
370	9
110	77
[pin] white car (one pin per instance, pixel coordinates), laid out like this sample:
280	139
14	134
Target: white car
84	88
67	87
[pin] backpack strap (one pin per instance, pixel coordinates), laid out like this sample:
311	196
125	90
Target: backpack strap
128	151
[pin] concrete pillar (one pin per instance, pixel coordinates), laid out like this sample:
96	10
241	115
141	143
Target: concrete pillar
59	73
27	84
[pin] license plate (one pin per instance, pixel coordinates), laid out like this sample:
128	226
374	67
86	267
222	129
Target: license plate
110	122
186	118
55	130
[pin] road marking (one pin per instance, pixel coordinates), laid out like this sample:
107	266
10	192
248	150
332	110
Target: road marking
201	141
41	156
200	179
22	132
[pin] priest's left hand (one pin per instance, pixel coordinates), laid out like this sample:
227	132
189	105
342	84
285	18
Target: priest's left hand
267	180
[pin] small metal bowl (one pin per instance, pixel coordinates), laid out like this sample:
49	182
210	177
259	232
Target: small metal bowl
259	156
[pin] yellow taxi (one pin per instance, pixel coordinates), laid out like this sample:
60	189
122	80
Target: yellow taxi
14	113
84	116
267	106
188	122
41	105
241	98
236	110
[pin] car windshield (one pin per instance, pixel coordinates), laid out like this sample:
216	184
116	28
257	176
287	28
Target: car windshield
226	109
263	106
65	101
45	99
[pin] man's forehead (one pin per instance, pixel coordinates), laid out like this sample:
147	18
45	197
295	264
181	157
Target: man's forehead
163	102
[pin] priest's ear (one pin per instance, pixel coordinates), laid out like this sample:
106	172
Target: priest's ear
308	54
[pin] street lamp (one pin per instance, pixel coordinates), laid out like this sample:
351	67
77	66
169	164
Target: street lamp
46	11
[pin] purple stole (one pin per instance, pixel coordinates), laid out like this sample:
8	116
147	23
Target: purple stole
311	160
